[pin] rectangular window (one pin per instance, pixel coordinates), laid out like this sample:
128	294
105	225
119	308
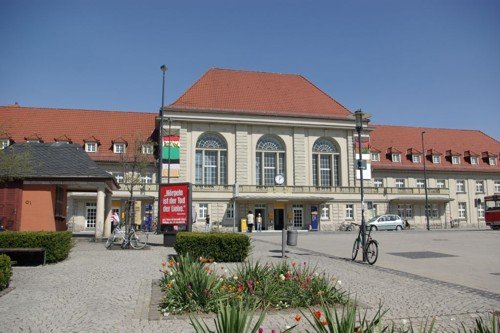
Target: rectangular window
400	183
325	212
474	160
147	178
460	186
436	159
349	211
396	157
480	210
198	162
415	158
479	186
497	186
298	216
440	183
147	149
90	215
420	183
210	169
492	160
434	213
119	148
223	167
455	159
336	170
378	182
375	157
230	211
203	210
4	144
91	147
462	210
269	168
119	177
59	208
405	211
325	170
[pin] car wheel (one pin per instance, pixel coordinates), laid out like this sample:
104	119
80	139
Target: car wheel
399	228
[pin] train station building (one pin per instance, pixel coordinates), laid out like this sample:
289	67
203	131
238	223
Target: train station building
273	144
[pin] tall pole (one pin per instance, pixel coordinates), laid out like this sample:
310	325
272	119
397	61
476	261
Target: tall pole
359	126
425	184
160	148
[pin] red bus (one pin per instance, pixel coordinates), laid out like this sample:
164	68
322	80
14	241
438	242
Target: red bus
492	213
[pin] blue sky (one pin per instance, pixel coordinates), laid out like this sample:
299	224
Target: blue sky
433	63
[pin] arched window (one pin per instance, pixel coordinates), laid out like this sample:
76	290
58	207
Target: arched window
211	160
269	160
325	163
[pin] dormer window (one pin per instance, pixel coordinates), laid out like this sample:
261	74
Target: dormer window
147	149
492	161
474	160
91	147
436	159
455	159
118	148
415	158
396	157
375	157
4	143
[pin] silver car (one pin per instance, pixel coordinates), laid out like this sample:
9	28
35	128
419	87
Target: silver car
386	222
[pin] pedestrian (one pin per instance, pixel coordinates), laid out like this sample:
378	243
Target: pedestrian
250	220
258	220
207	224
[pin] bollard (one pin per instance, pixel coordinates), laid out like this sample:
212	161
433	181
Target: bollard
283	243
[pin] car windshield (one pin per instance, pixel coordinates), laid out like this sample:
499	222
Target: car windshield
373	219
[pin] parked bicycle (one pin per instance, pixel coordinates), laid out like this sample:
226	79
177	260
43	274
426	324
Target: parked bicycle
345	226
371	247
132	238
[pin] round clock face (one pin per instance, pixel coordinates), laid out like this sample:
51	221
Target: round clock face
279	179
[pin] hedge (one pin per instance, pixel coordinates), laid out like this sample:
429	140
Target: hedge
222	247
57	244
5	271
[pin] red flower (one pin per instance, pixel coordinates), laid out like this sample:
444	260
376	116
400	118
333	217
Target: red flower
323	322
297	317
317	314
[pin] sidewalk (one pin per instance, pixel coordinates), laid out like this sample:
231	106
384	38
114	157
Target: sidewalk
103	290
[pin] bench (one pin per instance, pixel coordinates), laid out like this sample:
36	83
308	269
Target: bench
26	256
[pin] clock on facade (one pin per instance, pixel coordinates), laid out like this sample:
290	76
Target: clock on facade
279	179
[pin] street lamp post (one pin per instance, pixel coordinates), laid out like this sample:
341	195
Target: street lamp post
425	185
160	148
360	117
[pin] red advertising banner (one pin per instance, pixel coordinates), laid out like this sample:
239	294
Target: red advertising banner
174	204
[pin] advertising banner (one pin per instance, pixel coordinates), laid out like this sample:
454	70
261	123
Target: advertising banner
175	204
171	155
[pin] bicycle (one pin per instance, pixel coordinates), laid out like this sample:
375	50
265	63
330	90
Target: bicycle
371	247
132	238
345	227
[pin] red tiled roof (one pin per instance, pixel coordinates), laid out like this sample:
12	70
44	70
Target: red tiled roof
237	91
389	138
77	125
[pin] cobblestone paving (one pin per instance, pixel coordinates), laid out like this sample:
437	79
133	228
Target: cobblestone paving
99	290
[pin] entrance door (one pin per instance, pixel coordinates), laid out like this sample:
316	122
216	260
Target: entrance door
279	219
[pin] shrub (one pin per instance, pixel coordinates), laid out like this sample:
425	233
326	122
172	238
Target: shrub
5	271
57	244
222	247
191	285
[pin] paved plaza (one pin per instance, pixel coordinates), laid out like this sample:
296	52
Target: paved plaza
452	276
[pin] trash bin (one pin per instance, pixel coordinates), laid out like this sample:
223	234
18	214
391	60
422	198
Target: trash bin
291	237
243	225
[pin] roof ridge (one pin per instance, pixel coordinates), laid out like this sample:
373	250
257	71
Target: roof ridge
72	109
251	71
